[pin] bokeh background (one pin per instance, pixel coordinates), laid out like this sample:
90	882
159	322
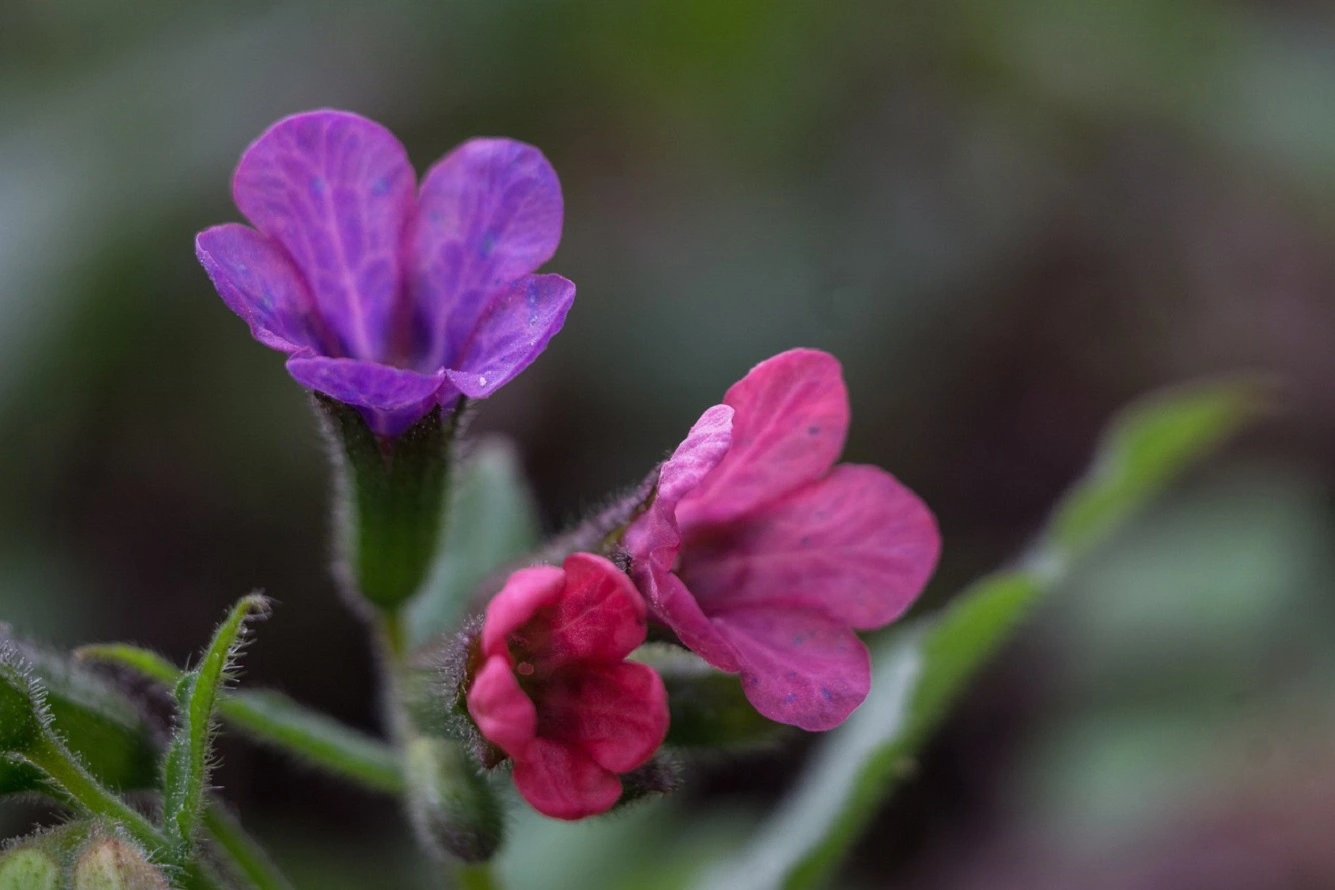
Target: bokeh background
1007	218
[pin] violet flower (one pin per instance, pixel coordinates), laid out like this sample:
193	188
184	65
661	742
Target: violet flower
384	296
764	557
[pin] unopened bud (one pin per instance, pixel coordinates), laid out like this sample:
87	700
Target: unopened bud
28	869
451	804
110	863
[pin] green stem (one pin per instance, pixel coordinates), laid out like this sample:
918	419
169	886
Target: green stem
88	794
276	720
249	858
477	877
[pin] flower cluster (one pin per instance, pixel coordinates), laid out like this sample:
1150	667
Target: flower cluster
754	549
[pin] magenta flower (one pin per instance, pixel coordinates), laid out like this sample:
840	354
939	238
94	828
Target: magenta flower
555	692
384	296
764	557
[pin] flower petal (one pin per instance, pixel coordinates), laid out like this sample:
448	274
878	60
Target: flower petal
259	283
856	545
798	667
674	605
501	710
336	191
565	783
510	331
617	714
525	592
491	213
599	617
791	419
391	399
654	537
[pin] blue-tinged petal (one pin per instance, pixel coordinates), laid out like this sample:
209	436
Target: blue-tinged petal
510	332
258	282
336	191
391	399
490	213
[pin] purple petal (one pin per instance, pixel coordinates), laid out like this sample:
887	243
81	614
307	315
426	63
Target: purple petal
792	416
857	545
259	283
798	667
490	213
336	191
391	399
510	332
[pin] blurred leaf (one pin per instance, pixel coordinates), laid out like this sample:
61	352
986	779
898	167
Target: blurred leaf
188	763
1146	446
924	667
492	520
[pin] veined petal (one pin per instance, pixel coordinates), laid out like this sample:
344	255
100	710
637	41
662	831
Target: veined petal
563	782
258	282
654	536
491	213
525	592
856	545
391	399
336	191
501	710
509	332
789	427
599	618
617	714
798	667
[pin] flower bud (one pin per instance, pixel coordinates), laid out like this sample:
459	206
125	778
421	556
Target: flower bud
28	869
111	863
451	805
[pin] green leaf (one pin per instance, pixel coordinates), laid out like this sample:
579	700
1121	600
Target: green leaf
273	719
492	521
924	666
187	765
709	710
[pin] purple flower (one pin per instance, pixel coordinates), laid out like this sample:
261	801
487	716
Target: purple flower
384	296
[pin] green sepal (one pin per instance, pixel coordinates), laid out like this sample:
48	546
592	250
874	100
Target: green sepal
709	710
186	768
23	713
452	805
29	868
391	501
492	521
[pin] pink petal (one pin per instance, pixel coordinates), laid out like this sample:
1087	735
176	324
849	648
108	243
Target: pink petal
565	783
599	617
798	667
391	398
501	710
791	419
525	592
511	330
491	213
336	191
259	283
618	715
675	606
856	545
653	537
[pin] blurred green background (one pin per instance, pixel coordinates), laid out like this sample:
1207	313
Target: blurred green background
1006	218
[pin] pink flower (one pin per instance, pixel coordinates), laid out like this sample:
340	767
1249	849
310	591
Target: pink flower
764	557
555	692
